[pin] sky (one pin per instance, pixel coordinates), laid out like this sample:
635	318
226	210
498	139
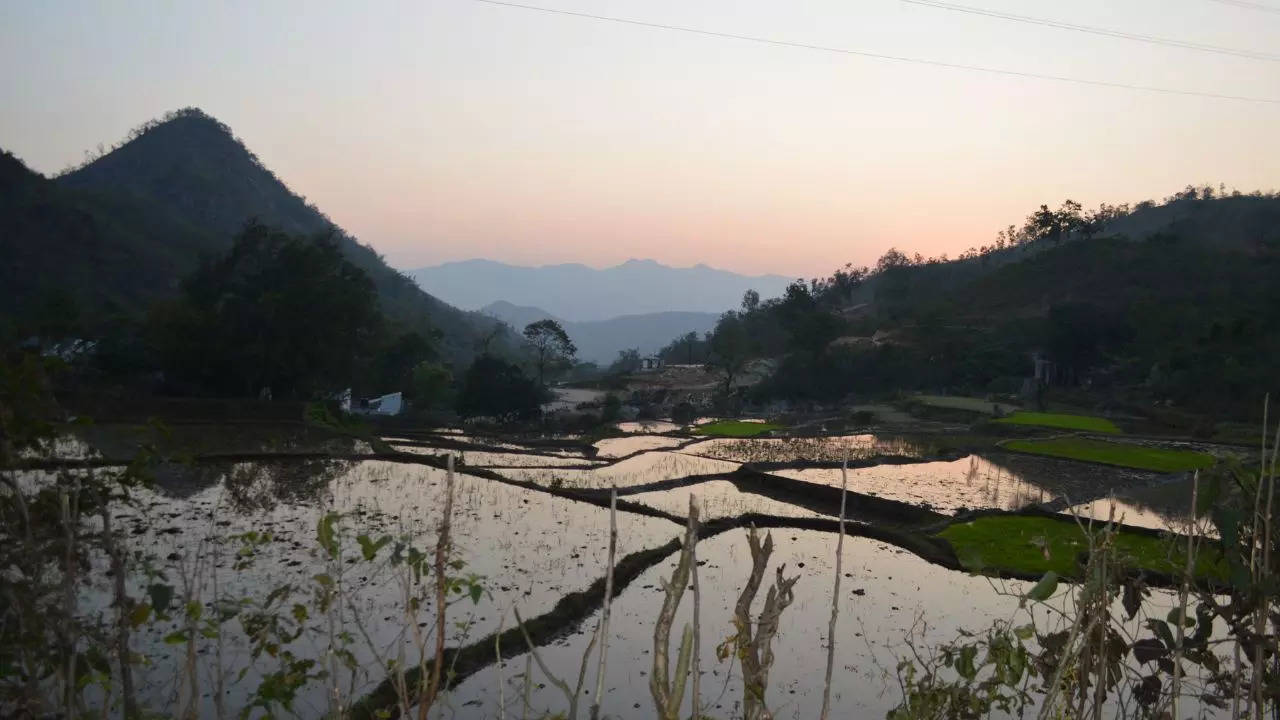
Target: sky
441	130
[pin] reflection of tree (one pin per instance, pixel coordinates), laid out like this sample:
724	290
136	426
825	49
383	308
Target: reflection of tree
997	481
263	485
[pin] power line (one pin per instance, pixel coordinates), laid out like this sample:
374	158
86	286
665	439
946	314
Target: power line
881	56
1184	44
1249	5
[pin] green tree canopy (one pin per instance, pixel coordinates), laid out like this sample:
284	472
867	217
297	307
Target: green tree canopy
495	388
280	313
551	346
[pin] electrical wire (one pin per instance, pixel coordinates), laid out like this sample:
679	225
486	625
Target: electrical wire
882	56
1249	5
1170	42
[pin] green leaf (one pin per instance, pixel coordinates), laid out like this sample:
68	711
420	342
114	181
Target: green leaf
369	548
161	597
140	613
1227	520
323	579
177	637
1044	589
1187	620
1161	630
964	663
324	534
1024	632
477	591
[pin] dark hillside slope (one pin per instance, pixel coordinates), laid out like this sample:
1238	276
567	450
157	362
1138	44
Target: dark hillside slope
103	250
1181	309
1245	224
191	169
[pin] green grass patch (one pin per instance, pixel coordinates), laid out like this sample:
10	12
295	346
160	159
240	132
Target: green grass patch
1131	456
1059	420
735	428
1036	545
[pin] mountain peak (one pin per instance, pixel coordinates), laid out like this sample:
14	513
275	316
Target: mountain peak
580	293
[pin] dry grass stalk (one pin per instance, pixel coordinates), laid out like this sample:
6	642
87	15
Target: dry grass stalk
835	594
70	516
668	694
1183	592
497	666
124	606
755	650
697	628
571	694
1266	476
441	564
608	602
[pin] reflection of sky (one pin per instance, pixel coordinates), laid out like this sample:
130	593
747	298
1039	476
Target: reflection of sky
1003	481
532	547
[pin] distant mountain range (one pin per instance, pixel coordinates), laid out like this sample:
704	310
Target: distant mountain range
122	230
578	293
599	341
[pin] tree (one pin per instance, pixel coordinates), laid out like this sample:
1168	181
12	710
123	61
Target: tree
495	388
810	327
283	314
396	360
611	409
551	345
690	342
628	362
730	347
430	383
750	301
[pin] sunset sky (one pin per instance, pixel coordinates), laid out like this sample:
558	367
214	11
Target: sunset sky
449	129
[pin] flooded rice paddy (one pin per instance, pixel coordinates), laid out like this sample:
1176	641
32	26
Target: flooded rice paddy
1002	481
528	549
804	449
623	446
650	467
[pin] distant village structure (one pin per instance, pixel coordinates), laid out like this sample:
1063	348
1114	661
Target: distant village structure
390	404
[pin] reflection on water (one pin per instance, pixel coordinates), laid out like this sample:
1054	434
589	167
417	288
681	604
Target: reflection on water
1161	505
887	597
483	458
62	447
648	426
639	470
799	449
618	447
1003	481
254	487
532	547
884	593
719	499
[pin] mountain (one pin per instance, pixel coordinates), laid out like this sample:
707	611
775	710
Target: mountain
123	229
1170	305
599	341
580	293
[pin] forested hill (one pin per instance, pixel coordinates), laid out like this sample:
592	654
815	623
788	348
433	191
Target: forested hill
127	226
1172	302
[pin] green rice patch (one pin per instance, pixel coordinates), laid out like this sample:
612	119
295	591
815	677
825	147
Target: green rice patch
735	428
1035	545
1059	420
1123	455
